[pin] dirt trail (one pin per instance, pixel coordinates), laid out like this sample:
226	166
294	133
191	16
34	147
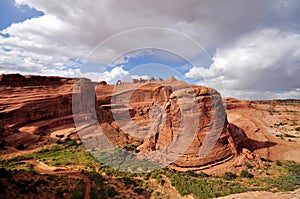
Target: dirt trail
43	168
19	153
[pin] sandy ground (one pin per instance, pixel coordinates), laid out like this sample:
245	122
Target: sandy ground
271	123
265	195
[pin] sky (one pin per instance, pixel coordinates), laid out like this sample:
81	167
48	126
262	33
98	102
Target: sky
244	49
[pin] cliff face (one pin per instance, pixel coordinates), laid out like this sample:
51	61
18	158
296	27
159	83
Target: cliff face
34	105
214	139
29	100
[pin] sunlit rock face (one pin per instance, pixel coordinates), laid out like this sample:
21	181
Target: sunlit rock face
188	124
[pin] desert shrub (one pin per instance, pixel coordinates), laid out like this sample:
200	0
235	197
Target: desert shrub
278	163
5	173
248	165
229	176
161	181
191	173
112	192
146	176
60	194
289	136
203	175
2	145
266	160
20	147
97	178
128	181
43	133
246	174
79	191
138	190
75	195
93	194
155	175
294	169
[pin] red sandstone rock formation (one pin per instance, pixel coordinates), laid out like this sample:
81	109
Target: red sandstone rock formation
214	138
34	104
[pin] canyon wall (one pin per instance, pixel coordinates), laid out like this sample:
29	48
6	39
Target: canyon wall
34	105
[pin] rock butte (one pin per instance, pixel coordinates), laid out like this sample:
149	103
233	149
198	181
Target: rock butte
35	105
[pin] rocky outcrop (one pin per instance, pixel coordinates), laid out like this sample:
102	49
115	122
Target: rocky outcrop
16	80
214	140
39	99
166	115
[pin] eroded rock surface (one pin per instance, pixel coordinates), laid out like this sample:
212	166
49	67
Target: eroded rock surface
164	115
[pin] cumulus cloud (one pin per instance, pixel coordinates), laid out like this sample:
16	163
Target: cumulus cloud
264	60
70	29
256	95
111	77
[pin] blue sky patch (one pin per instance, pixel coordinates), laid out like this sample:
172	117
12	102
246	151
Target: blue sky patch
10	13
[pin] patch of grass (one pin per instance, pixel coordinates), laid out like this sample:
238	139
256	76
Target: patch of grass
72	154
57	155
297	128
204	187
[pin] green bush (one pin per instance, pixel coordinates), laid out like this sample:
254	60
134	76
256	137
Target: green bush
112	192
248	165
246	174
203	175
229	176
278	163
138	190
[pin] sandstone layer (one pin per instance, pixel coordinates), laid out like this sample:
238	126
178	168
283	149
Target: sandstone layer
34	106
